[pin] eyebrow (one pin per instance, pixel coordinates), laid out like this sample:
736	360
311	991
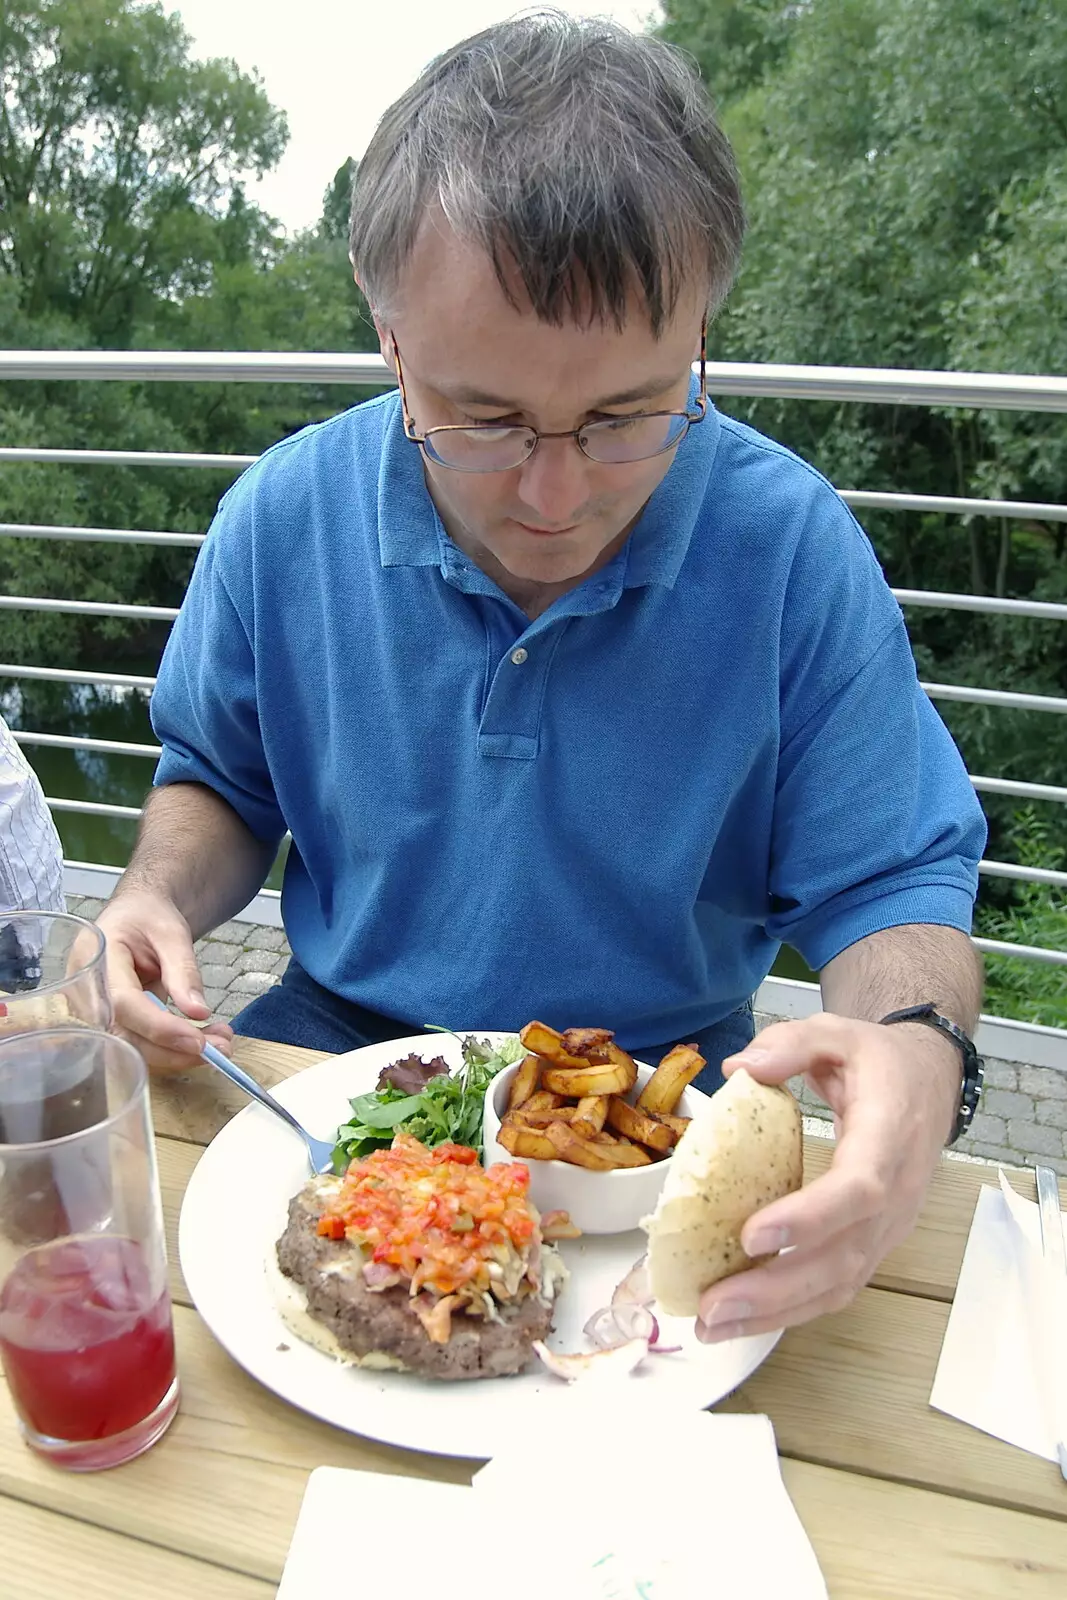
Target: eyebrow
464	394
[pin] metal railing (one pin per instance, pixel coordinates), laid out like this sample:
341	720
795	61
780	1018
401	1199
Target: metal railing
885	386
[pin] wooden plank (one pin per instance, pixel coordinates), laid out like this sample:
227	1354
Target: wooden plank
928	1262
882	1541
853	1391
194	1105
45	1554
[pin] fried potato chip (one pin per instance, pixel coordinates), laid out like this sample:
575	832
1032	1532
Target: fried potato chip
675	1072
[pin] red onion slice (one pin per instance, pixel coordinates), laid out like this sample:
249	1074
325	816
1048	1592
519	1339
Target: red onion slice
617	1362
615	1325
635	1288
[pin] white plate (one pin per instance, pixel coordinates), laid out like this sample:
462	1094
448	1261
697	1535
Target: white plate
235	1209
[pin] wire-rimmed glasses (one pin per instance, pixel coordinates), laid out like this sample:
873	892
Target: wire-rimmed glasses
609	441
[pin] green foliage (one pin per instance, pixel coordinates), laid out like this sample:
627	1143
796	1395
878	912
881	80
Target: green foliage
125	223
1037	916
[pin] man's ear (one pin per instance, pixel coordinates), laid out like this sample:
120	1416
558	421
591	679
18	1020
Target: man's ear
385	337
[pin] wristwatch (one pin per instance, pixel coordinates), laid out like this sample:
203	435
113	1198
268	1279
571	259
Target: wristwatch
971	1087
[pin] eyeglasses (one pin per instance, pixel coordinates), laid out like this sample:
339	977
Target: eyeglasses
613	441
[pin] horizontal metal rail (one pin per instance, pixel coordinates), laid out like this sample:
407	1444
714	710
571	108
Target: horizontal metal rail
951	505
122	680
1023	952
70	741
123	458
878	385
1008	869
1023	791
995	697
92	808
47	530
1048	609
87	608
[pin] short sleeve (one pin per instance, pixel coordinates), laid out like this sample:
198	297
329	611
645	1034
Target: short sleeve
204	709
876	822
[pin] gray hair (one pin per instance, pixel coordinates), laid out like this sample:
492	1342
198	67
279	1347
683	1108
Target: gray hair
582	157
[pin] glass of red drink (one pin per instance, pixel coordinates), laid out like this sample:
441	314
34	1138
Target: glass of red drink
86	1335
52	972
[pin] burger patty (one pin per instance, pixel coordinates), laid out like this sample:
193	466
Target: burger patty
365	1321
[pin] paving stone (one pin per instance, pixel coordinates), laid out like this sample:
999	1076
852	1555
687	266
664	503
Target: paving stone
214	998
1002	1103
216	977
261	938
1001	1075
1052	1113
86	906
252	983
988	1130
214	953
1034	1139
254	961
233	932
1045	1082
231	1004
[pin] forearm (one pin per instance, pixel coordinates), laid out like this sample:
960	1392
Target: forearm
193	849
902	967
912	965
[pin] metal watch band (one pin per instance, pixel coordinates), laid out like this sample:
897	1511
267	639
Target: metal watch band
971	1086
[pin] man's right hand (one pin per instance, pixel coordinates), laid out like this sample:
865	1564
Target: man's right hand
149	946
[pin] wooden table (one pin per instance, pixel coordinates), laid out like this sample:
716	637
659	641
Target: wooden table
897	1499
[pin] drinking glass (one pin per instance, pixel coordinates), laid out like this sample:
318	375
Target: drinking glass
86	1335
52	972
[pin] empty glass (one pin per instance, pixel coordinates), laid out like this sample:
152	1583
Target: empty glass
86	1335
52	972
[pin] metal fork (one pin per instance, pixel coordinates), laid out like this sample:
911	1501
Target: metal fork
320	1151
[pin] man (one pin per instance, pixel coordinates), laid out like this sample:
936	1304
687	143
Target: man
576	697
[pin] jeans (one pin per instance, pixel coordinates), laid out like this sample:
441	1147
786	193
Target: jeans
300	1011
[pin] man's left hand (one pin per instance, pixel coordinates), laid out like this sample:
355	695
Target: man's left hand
894	1093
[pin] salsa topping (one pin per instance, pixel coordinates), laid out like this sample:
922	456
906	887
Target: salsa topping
437	1217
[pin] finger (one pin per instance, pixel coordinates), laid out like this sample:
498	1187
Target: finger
850	1192
779	1293
721	1333
785	1049
154	1029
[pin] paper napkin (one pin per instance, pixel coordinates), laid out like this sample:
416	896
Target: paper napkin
997	1370
618	1509
661	1507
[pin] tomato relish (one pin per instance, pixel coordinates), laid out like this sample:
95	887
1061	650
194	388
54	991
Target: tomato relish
437	1216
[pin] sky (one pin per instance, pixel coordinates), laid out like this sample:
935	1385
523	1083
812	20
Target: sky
334	66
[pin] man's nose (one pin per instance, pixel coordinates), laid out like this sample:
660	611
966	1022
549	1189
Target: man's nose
554	483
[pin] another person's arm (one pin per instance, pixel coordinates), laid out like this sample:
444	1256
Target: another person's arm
195	864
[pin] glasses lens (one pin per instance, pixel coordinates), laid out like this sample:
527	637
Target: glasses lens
633	438
480	449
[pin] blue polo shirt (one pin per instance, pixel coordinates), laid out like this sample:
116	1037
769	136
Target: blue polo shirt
613	814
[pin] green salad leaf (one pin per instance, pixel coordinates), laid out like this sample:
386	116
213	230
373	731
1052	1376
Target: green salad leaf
448	1110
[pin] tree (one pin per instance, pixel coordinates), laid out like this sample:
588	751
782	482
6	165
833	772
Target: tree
119	157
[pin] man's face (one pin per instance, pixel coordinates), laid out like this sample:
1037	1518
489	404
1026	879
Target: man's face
470	357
